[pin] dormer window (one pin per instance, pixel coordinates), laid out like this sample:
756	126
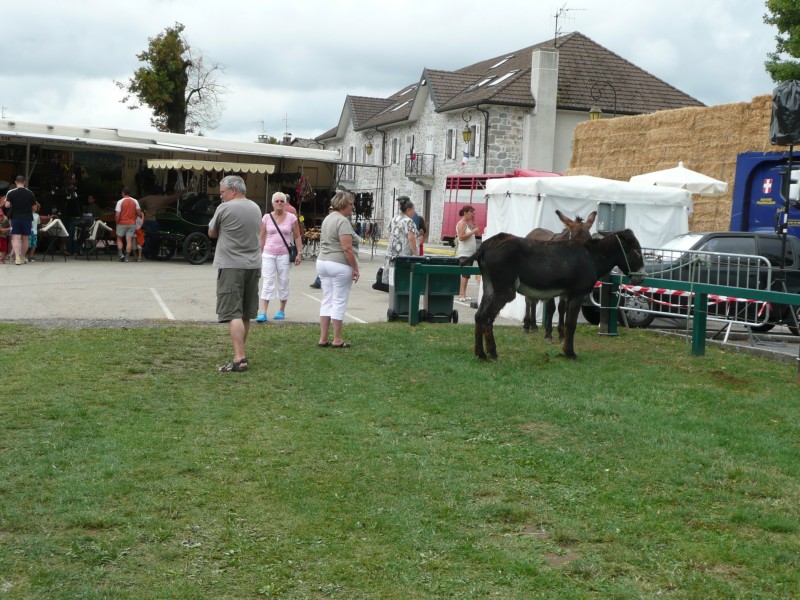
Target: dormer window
497	64
399	106
475	86
502	78
393	108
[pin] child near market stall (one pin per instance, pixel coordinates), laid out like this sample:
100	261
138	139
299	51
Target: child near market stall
139	238
5	228
33	240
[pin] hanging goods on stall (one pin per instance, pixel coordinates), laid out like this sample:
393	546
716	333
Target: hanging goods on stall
304	191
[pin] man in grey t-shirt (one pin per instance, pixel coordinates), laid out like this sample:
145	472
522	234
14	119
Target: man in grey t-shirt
236	225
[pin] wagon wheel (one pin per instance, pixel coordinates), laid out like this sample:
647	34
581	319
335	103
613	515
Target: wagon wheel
196	248
165	249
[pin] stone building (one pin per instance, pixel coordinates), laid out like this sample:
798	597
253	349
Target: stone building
514	111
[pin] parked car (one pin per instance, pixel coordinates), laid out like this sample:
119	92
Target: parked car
737	259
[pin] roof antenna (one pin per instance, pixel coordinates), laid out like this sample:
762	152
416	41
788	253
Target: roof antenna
561	13
287	136
263	137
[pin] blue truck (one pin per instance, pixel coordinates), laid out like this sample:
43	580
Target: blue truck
758	205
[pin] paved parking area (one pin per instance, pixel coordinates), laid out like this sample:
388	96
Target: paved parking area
104	289
76	290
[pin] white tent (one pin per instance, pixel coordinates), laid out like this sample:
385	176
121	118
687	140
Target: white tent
681	177
519	204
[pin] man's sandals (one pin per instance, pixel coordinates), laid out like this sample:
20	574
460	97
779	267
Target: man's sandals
234	366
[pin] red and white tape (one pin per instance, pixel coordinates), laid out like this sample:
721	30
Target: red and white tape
713	299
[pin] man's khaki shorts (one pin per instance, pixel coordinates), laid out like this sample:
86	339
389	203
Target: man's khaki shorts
237	294
126	231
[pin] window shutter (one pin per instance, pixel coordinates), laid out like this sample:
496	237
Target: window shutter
449	147
475	142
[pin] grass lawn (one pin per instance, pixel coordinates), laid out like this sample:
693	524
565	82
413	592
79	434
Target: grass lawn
401	468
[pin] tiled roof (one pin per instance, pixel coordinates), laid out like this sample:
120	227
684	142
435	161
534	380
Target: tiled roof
397	108
582	64
328	134
444	85
363	107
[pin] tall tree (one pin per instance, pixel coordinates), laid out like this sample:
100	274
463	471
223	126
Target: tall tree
785	15
177	84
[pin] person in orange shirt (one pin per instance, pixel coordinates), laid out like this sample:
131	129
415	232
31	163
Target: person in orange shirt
125	214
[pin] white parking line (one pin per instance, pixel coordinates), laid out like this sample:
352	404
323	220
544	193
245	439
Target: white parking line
356	319
163	306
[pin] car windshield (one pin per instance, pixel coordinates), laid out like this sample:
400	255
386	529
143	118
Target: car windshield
682	242
671	250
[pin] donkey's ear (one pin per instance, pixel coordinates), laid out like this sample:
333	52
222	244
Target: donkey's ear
564	219
590	219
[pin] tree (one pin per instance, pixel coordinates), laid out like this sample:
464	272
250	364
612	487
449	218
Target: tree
785	15
177	85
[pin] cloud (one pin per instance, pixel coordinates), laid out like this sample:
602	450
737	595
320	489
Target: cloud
303	58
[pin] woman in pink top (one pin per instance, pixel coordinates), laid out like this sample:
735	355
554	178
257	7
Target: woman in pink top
277	227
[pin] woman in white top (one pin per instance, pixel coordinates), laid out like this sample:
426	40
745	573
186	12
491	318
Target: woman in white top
466	231
403	235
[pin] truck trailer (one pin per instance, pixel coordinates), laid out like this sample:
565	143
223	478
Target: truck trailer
758	204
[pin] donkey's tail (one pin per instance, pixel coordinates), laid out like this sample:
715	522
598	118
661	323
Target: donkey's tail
468	260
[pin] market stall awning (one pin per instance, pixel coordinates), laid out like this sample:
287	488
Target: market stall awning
210	165
63	141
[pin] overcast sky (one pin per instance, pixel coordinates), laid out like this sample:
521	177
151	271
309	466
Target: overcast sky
301	58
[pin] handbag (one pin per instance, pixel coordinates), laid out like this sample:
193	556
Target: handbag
290	247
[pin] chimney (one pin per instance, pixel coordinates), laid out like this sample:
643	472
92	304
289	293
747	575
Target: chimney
539	134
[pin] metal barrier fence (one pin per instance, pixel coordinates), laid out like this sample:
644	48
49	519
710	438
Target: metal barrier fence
701	291
641	303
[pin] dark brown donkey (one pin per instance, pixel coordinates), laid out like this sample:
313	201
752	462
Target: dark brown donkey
578	231
511	264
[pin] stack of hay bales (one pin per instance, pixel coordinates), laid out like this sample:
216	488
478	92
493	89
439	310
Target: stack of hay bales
705	139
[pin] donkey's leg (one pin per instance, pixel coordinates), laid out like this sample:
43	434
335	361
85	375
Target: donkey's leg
491	346
480	326
493	306
562	309
529	322
479	337
547	319
571	321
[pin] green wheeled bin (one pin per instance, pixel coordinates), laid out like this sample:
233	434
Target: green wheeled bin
442	289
